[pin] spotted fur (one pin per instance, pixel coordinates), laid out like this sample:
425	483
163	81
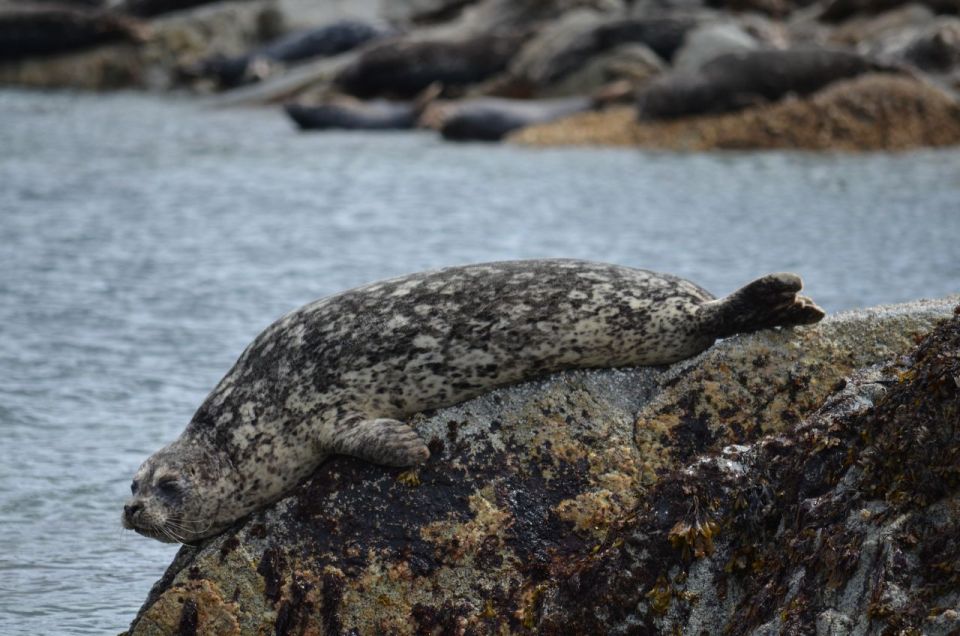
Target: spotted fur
341	374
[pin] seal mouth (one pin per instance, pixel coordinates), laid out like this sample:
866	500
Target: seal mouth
155	533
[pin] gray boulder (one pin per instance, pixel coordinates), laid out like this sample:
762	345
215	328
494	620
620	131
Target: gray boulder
782	482
712	40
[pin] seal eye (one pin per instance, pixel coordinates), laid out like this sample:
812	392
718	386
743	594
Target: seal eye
134	488
169	487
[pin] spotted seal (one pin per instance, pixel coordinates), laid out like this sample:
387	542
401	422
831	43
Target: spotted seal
340	375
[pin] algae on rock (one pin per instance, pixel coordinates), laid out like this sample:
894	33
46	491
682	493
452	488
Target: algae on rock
703	496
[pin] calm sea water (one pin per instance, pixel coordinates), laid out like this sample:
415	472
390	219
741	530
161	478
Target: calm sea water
144	242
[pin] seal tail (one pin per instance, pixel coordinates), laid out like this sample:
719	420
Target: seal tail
771	301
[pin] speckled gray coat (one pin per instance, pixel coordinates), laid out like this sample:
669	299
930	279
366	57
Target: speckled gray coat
340	375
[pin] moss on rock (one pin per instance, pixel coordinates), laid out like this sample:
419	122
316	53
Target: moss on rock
553	508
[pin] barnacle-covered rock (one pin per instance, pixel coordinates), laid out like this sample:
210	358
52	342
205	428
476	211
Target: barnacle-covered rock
703	496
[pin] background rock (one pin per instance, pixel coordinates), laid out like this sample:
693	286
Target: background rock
873	112
553	507
708	41
633	63
172	41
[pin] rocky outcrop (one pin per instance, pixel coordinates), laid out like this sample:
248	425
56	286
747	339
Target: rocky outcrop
794	479
873	112
168	43
736	81
34	29
680	57
710	41
404	67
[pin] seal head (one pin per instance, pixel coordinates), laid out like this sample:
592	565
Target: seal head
170	495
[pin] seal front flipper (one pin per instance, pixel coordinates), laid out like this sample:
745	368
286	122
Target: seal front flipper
382	441
771	301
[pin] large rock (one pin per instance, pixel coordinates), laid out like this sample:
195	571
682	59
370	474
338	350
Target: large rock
634	501
488	16
635	64
403	67
874	33
171	42
873	112
34	28
736	81
712	40
935	49
407	12
567	44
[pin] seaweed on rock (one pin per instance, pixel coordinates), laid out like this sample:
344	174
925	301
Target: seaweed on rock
584	503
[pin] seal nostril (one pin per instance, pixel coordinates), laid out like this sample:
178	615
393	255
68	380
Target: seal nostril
130	510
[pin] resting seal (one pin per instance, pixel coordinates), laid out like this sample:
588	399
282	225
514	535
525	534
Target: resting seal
404	67
341	374
735	81
372	115
325	41
493	118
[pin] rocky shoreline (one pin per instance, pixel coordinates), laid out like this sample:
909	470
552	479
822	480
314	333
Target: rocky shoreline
790	481
668	74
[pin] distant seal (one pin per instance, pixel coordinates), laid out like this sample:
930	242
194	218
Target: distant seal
403	67
735	81
373	115
340	375
493	118
36	29
324	41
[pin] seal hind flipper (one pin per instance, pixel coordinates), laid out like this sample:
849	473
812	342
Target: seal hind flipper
381	441
771	301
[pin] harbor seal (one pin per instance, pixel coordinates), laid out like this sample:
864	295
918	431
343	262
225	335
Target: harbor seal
342	374
734	81
372	115
403	67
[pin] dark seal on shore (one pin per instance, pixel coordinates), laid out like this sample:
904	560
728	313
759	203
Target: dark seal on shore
404	68
32	29
735	81
373	115
491	118
342	375
324	41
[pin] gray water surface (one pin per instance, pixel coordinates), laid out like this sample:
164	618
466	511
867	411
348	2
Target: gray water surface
145	241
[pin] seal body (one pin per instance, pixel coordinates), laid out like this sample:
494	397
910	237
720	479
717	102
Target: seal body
373	115
340	375
734	81
404	67
492	118
324	41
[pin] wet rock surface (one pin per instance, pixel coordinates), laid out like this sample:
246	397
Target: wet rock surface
784	480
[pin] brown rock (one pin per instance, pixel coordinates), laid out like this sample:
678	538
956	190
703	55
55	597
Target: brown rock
873	112
170	43
552	508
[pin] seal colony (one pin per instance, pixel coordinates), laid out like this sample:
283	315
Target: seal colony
341	374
